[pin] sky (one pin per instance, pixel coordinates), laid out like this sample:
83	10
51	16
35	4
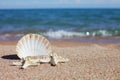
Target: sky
13	4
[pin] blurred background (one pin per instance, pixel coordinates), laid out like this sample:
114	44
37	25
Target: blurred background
61	20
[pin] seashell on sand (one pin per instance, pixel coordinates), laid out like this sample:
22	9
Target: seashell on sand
34	49
33	45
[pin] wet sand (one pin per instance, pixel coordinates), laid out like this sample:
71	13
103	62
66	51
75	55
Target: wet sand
88	61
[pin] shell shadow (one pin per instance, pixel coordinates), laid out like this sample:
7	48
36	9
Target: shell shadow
10	57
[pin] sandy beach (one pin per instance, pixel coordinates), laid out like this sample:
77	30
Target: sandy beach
88	61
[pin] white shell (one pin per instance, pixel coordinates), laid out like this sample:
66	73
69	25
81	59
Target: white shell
32	45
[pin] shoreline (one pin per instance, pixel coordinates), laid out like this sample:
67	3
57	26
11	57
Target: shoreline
99	40
62	43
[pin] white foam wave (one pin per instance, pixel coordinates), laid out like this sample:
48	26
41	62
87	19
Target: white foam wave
62	34
101	33
69	34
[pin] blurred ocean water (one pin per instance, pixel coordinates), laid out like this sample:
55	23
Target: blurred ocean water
60	23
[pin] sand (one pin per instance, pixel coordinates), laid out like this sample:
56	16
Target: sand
87	62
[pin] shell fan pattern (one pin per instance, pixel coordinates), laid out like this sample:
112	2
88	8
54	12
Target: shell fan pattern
33	45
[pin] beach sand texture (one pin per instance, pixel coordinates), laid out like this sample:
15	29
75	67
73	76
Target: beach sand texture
87	62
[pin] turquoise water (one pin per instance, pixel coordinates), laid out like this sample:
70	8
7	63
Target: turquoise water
60	23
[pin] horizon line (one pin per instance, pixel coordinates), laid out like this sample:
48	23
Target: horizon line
66	8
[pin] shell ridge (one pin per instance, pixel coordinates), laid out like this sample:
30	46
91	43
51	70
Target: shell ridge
42	46
28	42
23	48
36	42
32	50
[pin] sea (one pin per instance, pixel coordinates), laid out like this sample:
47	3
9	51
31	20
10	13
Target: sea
76	25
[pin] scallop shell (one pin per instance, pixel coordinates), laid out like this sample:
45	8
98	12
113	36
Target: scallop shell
32	45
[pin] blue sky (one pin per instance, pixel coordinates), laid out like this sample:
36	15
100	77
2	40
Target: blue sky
59	4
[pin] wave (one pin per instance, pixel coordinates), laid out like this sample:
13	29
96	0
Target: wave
71	34
62	34
10	37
